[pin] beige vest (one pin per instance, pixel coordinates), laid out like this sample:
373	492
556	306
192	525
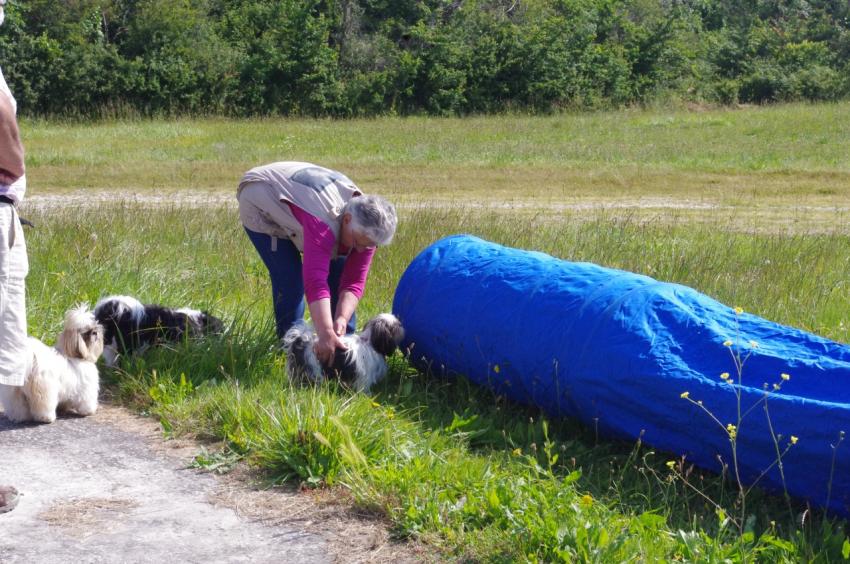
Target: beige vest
264	191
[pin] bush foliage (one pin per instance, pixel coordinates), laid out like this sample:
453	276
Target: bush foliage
92	58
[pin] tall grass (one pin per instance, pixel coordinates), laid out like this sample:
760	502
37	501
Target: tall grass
445	460
780	167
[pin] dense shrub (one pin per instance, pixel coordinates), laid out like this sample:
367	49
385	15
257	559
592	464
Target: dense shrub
369	57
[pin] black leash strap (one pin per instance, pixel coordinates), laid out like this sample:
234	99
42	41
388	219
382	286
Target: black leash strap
11	202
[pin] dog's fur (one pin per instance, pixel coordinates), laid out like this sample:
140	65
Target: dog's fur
362	365
64	377
132	327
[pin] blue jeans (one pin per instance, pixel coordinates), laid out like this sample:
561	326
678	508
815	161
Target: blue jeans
284	265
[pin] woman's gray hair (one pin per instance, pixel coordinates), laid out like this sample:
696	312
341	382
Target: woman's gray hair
373	217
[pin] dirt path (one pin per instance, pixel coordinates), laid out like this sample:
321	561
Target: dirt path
769	215
109	488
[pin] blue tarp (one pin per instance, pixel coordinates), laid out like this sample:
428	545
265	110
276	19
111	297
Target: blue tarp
617	350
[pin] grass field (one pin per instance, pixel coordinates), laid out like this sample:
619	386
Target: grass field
749	206
779	167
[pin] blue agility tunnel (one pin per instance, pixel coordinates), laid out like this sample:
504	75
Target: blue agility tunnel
634	356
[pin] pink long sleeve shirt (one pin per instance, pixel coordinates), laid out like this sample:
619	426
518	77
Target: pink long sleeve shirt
319	242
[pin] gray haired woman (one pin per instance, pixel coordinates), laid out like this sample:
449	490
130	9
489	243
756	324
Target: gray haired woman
316	232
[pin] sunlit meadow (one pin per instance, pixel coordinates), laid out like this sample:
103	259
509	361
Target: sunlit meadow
749	206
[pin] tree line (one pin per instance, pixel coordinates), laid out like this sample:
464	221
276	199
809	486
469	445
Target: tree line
344	58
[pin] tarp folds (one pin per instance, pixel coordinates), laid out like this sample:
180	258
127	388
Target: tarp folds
617	350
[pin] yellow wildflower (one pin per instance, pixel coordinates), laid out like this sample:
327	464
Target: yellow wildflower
671	464
724	376
684	395
516	452
732	430
727	343
739	310
586	500
496	369
785	377
794	440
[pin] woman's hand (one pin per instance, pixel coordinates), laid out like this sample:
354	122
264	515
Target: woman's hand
329	341
344	311
325	347
340	326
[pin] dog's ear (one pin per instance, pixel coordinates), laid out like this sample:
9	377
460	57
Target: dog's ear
72	344
385	334
86	344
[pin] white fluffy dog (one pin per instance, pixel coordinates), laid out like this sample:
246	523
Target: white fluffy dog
362	365
64	377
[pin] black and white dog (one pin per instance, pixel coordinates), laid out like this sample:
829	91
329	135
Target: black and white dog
362	365
131	326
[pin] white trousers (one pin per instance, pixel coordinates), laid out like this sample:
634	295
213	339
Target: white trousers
14	267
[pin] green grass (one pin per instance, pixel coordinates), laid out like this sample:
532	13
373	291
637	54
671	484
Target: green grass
435	456
444	460
783	166
775	138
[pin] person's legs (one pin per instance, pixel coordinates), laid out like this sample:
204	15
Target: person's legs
283	262
14	267
13	319
334	276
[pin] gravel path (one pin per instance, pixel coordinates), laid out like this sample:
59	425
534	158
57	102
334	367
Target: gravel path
108	488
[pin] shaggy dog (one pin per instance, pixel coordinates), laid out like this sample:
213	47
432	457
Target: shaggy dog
64	377
362	365
132	326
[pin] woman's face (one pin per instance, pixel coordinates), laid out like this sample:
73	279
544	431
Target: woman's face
353	239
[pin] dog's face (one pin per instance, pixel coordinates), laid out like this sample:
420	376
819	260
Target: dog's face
211	324
82	336
202	323
384	332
